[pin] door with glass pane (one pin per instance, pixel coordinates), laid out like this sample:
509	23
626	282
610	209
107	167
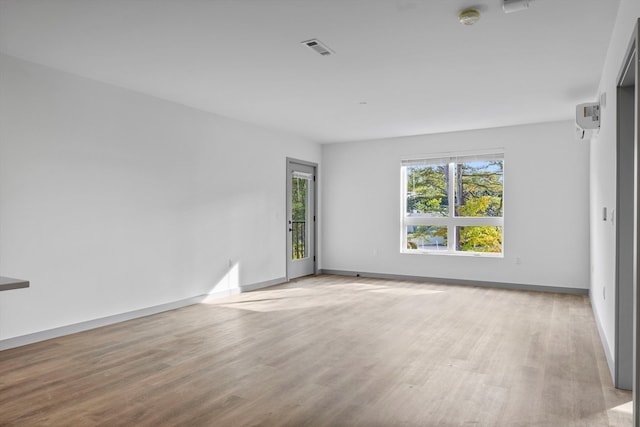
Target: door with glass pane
301	218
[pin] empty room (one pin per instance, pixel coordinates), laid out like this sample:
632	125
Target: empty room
319	213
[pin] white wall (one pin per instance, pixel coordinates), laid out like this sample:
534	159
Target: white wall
546	207
113	201
603	179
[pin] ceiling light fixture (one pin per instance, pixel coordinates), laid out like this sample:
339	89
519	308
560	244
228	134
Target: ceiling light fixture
469	16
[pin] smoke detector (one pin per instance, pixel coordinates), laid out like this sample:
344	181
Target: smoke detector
509	6
468	16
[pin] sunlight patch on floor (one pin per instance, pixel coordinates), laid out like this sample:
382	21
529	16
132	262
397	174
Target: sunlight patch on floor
276	300
362	286
406	291
297	298
625	408
393	290
267	305
258	295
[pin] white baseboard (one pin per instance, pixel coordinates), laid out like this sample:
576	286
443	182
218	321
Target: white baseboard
95	323
605	345
122	317
499	285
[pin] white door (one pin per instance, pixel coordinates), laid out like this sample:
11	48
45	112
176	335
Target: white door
301	219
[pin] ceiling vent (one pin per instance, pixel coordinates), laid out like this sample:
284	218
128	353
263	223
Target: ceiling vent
318	47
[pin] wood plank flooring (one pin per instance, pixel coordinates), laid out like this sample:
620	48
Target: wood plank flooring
327	351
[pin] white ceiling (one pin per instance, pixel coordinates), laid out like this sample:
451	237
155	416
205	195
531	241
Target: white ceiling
417	69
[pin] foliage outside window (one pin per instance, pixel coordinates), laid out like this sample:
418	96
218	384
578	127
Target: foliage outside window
299	223
453	204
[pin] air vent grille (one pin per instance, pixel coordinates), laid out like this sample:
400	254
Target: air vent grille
318	46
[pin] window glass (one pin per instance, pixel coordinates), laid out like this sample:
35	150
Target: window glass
427	237
479	239
299	223
478	190
426	193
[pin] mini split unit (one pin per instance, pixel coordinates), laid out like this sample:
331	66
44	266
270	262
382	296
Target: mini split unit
587	120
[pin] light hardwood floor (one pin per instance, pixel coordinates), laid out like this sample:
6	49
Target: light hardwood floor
327	351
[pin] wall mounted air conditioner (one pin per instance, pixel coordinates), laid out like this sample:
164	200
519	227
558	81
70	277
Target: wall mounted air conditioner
587	120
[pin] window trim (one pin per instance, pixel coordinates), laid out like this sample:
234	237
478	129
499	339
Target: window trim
451	221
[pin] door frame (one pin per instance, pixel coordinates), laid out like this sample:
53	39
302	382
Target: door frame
625	218
636	238
632	57
314	227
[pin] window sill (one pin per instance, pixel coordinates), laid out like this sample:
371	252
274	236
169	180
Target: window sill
455	254
7	284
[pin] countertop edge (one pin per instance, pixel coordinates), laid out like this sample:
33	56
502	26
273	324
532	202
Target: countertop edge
7	283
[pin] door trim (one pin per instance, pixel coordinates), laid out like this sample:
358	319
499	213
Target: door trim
626	188
636	239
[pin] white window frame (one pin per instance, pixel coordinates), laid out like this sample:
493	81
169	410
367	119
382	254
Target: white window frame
451	221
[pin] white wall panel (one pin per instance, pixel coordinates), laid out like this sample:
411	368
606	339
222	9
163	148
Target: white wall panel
113	201
546	207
